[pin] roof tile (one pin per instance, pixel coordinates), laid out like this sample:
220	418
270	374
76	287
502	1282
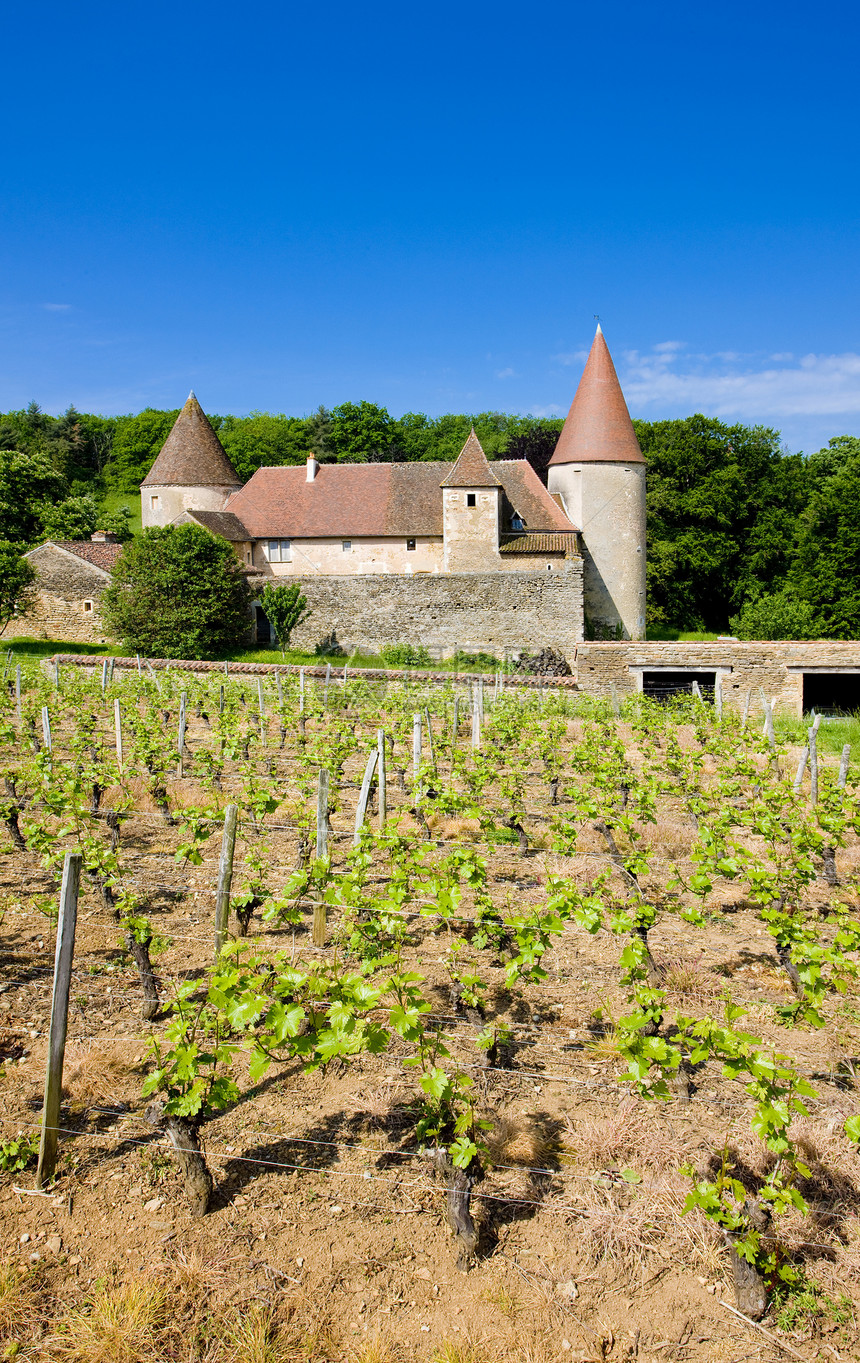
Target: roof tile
192	455
598	428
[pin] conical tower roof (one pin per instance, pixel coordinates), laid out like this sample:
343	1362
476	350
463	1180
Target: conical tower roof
598	428
192	455
471	468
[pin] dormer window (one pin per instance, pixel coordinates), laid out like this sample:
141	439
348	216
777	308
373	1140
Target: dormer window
471	499
517	522
410	544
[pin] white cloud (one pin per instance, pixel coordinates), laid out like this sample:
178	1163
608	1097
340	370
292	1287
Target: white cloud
778	387
506	373
667	347
57	307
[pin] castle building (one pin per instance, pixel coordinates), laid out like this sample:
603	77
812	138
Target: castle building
337	520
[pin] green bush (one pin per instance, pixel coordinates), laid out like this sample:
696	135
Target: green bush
178	592
775	615
405	655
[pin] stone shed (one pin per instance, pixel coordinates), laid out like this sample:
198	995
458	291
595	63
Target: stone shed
71	577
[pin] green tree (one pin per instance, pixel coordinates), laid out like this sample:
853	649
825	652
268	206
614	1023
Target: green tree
17	576
321	433
264	439
28	482
178	592
285	608
136	444
827	568
775	615
73	519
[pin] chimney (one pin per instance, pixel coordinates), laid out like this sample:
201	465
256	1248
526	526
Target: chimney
104	537
313	467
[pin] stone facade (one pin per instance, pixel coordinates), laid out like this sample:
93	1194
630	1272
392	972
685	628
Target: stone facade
778	669
471	519
162	504
68	598
473	611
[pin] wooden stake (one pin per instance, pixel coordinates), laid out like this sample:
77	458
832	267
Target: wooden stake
429	737
225	877
383	794
46	728
57	673
476	719
59	1017
813	761
416	746
301	690
104	675
327	680
364	796
18	693
180	740
110	670
697	691
455	726
117	724
746	709
280	685
842	778
319	919
801	768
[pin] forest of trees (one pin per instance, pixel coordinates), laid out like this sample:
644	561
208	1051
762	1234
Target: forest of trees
741	534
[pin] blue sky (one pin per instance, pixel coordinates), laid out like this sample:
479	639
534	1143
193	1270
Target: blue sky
425	206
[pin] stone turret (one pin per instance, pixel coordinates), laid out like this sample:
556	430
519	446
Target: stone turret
191	473
471	512
599	472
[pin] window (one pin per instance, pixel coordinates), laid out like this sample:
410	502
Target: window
517	522
249	555
88	606
471	499
279	551
410	544
153	503
347	546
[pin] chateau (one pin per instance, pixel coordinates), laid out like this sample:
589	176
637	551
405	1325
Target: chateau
472	554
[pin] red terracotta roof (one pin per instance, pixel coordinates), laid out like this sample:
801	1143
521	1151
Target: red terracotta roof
103	555
540	544
192	455
471	468
222	523
385	500
598	426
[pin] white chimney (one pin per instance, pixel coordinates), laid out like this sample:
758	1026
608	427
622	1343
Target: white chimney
313	467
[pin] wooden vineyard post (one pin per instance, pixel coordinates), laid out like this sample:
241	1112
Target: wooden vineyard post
364	796
416	747
18	693
319	919
746	709
327	680
768	720
104	675
46	728
180	738
616	708
430	755
57	673
801	768
476	719
59	1017
117	725
110	670
221	699
454	727
139	668
718	696
380	762
280	686
813	761
262	708
697	690
844	760
225	877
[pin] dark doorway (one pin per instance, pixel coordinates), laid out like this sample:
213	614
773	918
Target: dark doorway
264	629
828	691
661	685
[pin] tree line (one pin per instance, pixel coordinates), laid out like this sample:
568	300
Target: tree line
742	534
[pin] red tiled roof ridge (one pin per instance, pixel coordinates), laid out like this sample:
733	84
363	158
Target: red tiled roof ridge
192	455
598	428
100	554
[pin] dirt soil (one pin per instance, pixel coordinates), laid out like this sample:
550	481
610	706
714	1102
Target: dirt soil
321	1198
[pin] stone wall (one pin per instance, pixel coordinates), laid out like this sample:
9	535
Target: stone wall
472	611
66	585
775	668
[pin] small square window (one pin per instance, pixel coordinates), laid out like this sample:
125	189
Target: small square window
153	503
347	546
471	499
410	544
88	606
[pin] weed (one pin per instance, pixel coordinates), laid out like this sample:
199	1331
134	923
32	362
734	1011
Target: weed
502	1299
19	1297
156	1167
797	1306
16	1154
252	1335
455	1351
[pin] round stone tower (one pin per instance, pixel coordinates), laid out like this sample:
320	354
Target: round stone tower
599	472
192	471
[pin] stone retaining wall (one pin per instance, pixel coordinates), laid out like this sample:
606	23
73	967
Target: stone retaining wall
492	611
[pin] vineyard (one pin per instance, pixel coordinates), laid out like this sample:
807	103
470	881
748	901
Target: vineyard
431	1021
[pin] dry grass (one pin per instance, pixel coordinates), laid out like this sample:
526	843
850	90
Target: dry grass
375	1350
624	1133
20	1296
125	1323
689	981
253	1334
94	1074
458	1351
522	1142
